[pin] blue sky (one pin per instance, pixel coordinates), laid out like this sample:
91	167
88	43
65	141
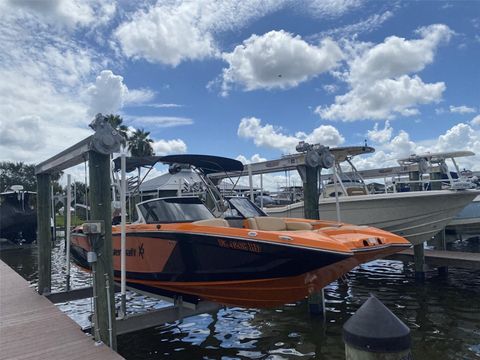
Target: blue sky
243	79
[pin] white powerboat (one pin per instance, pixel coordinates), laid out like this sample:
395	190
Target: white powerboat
415	215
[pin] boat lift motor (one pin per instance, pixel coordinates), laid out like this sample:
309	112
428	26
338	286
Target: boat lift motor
316	155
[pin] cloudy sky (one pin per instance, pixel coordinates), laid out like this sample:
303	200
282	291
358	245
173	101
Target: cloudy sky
245	79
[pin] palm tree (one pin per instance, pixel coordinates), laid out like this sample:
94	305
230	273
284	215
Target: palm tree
117	123
139	143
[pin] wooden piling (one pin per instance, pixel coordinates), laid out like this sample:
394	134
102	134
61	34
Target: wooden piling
310	191
435	185
414	176
316	301
100	204
441	244
44	240
419	260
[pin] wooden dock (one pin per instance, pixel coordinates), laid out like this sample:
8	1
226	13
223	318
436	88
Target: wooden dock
31	327
442	258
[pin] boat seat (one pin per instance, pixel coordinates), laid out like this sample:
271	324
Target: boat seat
356	191
212	222
276	224
298	225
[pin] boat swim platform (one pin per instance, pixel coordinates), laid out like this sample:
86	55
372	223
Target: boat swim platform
32	327
442	258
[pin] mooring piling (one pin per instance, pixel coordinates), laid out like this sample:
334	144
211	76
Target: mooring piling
419	260
44	240
100	204
375	333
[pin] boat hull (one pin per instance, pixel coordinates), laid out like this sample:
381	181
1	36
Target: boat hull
417	216
226	269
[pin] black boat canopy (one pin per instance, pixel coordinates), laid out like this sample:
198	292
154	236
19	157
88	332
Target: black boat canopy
207	163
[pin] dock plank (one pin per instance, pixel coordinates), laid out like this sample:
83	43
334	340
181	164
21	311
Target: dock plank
31	327
459	259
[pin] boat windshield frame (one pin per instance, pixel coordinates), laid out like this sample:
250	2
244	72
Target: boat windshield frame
168	210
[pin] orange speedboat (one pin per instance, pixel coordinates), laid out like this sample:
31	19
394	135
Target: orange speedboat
244	258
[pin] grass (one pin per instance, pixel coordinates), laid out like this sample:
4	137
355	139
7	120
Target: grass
60	221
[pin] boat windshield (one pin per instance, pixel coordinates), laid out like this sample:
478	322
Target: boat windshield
173	210
245	207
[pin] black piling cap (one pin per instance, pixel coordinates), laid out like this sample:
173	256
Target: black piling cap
374	328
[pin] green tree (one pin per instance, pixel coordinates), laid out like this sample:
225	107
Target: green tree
139	143
81	192
19	173
117	123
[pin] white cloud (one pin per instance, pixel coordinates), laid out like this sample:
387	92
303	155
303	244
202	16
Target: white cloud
388	153
255	158
382	99
107	94
68	13
461	109
332	8
460	137
22	133
160	106
139	96
41	110
330	88
380	136
174	31
457	138
165	147
475	120
277	59
161	121
272	137
43	107
370	24
378	75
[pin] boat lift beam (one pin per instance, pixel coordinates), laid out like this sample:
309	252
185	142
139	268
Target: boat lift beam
72	156
287	163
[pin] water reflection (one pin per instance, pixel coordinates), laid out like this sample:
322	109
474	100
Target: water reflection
443	313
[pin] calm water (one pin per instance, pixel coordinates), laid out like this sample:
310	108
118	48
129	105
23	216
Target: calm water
443	314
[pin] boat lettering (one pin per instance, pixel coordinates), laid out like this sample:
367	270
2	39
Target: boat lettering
128	252
239	245
131	252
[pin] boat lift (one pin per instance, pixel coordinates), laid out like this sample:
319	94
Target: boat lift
97	149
